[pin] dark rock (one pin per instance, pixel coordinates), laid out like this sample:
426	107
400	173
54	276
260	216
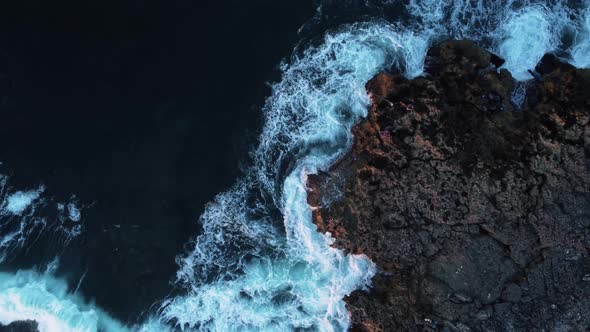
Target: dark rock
477	214
512	293
461	298
496	60
484	313
20	326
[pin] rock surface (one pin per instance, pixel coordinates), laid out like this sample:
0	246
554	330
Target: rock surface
20	326
475	210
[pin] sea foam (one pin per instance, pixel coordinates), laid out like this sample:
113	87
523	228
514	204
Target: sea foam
30	295
24	217
16	203
580	52
528	34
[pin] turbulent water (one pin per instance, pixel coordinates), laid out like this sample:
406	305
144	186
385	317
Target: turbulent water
260	264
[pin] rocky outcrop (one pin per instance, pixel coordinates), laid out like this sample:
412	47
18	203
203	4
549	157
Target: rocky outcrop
475	210
20	326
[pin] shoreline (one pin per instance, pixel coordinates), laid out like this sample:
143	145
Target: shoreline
447	184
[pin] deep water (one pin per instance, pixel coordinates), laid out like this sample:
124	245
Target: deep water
122	120
142	110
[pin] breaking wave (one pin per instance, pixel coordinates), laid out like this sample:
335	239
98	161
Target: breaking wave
260	264
283	274
29	295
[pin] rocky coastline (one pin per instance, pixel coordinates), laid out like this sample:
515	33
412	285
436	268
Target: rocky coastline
472	199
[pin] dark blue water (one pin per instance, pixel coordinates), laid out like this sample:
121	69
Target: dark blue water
144	110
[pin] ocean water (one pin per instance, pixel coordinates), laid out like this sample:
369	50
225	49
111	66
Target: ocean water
256	261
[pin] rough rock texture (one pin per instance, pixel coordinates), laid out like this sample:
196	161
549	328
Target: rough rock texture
20	326
476	212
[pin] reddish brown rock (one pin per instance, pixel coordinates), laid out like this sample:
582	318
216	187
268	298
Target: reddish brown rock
476	213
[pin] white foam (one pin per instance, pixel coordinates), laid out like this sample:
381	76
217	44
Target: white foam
19	201
521	32
322	91
263	277
580	53
28	295
527	35
23	218
17	221
74	212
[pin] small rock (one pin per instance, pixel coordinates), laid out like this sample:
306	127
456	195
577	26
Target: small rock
460	298
457	327
484	314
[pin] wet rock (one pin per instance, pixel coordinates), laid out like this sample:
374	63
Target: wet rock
476	212
460	298
20	326
512	293
484	313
